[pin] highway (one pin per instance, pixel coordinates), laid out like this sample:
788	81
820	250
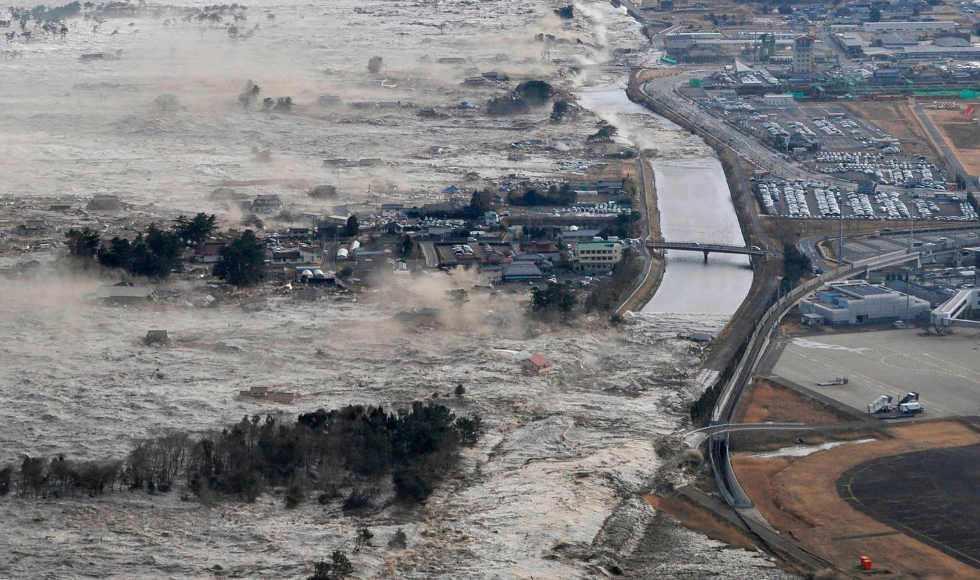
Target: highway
663	90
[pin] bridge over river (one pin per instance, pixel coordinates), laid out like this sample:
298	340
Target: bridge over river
706	248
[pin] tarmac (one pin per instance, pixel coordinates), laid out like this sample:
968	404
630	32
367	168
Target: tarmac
943	370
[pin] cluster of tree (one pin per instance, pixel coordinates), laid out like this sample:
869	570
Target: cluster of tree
554	196
533	93
154	254
627	225
279	104
242	262
611	290
795	265
416	448
554	300
604	133
337	568
482	201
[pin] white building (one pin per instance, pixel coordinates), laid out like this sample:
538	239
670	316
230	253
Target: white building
780	100
910	27
862	303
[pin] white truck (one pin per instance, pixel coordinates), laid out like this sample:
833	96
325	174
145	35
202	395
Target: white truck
910	405
882	404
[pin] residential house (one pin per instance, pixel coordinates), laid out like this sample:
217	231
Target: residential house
104	203
536	365
521	272
297	255
265	394
209	252
33	228
123	293
266	204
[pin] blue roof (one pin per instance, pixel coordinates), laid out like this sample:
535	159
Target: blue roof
451	189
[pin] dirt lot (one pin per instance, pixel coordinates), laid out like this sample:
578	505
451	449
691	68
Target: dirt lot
963	136
799	497
766	401
898	121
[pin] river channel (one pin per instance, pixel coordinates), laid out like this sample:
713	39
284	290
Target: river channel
695	206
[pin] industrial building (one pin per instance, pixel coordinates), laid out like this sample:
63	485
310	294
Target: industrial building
860	303
910	27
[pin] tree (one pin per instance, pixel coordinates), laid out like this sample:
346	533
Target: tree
374	64
460	390
558	111
242	262
116	254
364	537
399	540
341	566
785	9
605	132
251	93
196	230
567	13
554	298
534	92
156	254
83	243
874	15
481	202
284	105
352	227
795	265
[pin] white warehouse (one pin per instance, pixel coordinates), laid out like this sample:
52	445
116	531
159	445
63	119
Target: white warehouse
861	303
910	27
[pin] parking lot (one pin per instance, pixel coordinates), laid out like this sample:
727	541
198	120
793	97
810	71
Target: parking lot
943	370
831	124
814	200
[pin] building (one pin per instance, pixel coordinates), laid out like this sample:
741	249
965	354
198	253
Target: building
803	55
779	100
209	252
267	204
596	257
104	203
265	394
33	228
300	255
910	27
536	365
574	234
123	293
862	303
523	271
492	219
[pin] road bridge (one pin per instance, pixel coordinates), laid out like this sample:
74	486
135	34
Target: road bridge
705	248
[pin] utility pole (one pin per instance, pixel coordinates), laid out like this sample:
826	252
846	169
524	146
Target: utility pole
911	230
840	241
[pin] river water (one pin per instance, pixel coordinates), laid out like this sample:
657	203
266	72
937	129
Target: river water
695	206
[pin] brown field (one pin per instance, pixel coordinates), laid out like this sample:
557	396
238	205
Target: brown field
765	401
900	122
799	497
963	136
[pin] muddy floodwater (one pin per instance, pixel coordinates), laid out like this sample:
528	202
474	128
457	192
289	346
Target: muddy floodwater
695	205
